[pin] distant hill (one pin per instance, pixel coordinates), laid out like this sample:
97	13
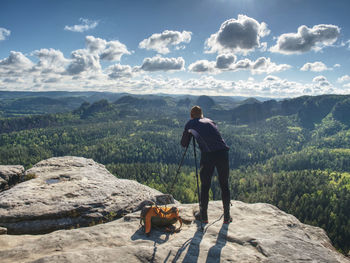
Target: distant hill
184	102
341	111
21	103
142	101
249	101
309	109
41	105
205	102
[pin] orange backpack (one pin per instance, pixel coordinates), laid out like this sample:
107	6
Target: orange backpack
155	216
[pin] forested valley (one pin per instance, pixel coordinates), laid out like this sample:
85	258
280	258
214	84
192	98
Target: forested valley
292	153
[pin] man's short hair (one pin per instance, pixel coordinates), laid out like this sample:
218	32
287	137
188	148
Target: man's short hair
196	112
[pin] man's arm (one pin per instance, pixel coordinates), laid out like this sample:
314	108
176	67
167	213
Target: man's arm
186	138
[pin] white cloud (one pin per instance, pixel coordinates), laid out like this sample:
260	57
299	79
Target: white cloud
85	25
13	80
271	78
261	65
16	61
88	60
119	71
307	39
20	72
237	35
317	66
264	65
202	66
321	81
336	66
263	46
83	61
161	42
162	64
51	80
180	47
4	33
242	64
264	31
50	60
343	79
347	43
95	44
270	86
107	50
224	61
114	51
322	85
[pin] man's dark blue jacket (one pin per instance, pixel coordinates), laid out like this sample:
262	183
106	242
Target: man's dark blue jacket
206	133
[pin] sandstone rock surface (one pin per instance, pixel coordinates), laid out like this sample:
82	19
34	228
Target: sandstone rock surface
10	175
68	192
259	233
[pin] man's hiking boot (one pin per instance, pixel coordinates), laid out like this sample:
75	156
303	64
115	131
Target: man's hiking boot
228	220
201	217
204	216
227	217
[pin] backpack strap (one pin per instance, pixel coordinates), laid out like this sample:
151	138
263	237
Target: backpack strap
179	228
148	219
173	229
172	210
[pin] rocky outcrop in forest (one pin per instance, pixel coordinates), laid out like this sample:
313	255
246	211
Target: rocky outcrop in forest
64	190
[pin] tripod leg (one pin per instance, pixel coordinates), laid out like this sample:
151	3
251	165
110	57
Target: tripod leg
195	161
178	170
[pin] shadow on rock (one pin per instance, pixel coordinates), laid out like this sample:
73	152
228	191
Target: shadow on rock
193	245
157	236
214	253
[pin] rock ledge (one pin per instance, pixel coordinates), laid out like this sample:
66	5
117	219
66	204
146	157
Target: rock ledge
68	192
259	233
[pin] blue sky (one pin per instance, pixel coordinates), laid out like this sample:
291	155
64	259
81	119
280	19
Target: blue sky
274	48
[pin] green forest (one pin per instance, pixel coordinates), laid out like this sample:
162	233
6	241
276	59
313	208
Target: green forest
293	153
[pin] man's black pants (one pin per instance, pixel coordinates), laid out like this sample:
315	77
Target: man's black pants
210	160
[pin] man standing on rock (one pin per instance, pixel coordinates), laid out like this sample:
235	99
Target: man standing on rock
214	154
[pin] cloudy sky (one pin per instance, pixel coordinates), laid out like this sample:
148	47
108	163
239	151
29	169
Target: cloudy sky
269	48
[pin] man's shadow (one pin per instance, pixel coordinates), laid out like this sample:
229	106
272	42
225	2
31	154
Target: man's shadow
214	253
193	245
